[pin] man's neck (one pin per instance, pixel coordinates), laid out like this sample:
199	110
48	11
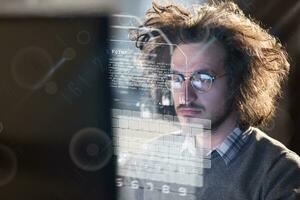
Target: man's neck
218	135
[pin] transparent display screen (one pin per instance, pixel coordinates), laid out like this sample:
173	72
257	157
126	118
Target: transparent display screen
156	152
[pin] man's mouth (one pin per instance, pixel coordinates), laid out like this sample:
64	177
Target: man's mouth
188	112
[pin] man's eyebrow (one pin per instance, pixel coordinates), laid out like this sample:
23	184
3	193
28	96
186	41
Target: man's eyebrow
209	71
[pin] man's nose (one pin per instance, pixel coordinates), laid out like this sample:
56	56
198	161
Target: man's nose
189	93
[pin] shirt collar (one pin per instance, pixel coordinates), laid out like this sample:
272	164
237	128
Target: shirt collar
232	144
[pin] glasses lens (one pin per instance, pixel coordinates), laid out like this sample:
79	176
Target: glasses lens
175	81
202	82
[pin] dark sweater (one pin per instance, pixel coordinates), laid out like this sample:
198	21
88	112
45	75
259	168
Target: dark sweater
264	169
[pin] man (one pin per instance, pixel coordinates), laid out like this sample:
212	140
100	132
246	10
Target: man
227	69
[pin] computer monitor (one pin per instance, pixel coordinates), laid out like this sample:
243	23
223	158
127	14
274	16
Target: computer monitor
55	124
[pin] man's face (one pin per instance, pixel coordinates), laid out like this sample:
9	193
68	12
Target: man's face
191	104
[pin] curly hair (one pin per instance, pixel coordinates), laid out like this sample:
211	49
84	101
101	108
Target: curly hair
256	62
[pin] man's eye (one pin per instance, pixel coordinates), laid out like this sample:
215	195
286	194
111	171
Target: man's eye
203	77
204	80
176	78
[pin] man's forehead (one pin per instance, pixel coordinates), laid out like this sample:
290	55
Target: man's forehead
206	56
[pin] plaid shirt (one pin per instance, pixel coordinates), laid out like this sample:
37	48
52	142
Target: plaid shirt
233	143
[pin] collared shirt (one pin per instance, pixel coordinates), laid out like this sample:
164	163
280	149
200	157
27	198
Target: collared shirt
232	144
228	149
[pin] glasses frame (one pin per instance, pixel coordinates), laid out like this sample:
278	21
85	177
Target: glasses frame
190	77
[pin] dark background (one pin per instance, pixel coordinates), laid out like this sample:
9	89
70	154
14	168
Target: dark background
282	19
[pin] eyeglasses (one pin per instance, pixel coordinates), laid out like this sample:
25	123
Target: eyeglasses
201	81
